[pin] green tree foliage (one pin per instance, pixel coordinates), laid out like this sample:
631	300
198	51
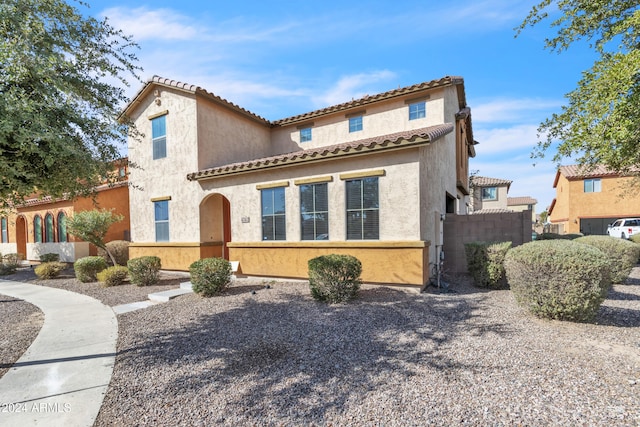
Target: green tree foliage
601	122
92	226
58	109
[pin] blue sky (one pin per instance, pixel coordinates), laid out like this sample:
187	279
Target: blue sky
279	59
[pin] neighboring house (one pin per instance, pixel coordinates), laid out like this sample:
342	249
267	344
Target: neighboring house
524	203
587	200
489	194
39	225
372	177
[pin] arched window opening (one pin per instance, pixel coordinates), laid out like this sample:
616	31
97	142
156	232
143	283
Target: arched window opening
62	227
48	229
37	229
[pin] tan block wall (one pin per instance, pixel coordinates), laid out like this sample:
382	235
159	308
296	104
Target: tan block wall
176	256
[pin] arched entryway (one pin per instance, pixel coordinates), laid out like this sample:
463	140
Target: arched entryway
21	235
215	224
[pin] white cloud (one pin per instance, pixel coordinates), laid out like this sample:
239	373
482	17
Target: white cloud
505	110
145	24
507	139
352	87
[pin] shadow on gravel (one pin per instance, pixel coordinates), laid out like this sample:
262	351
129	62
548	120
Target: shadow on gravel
297	360
617	316
622	296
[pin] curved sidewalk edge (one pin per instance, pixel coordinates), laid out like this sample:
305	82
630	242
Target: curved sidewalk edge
62	378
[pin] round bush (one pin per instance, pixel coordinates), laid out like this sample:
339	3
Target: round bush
119	249
88	267
113	276
334	278
622	254
49	270
558	279
144	271
49	257
210	276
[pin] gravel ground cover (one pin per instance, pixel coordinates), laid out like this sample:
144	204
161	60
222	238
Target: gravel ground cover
274	356
20	323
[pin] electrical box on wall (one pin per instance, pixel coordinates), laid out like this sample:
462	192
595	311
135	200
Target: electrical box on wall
438	219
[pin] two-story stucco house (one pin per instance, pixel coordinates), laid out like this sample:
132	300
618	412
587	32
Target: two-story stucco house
587	200
489	195
372	177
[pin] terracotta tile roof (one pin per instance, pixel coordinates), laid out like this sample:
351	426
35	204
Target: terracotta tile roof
48	199
525	200
445	81
579	172
490	211
382	142
483	181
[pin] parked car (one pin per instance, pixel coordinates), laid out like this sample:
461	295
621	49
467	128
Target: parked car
624	228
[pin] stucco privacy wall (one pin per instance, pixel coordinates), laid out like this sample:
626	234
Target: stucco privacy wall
512	227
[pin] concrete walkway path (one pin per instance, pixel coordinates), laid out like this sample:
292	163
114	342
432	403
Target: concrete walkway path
62	378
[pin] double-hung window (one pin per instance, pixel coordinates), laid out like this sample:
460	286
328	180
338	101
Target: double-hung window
592	185
489	193
5	232
273	214
159	137
161	213
314	212
355	124
305	134
363	209
417	110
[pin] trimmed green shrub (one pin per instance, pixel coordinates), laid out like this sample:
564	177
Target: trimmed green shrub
119	249
7	269
12	260
50	257
558	279
622	254
334	278
113	276
210	276
485	263
49	270
144	271
555	236
88	267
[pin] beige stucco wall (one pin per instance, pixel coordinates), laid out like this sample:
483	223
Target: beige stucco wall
380	119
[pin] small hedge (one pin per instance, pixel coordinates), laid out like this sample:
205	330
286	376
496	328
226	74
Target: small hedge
49	270
558	279
485	263
113	276
622	254
635	238
49	257
210	276
12	260
119	249
145	270
334	278
556	236
88	267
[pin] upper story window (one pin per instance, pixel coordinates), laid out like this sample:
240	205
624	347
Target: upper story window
305	134
5	231
159	137
489	193
274	225
417	110
592	185
62	227
161	217
37	229
355	124
363	210
314	211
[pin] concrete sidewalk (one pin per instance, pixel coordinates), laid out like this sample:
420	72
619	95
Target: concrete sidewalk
62	378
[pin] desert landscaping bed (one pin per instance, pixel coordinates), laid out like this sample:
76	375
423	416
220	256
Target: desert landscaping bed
274	356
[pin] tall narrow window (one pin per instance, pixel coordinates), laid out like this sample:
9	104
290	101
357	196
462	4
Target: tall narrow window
48	229
592	185
417	110
305	135
314	212
5	231
161	213
355	124
37	229
62	227
273	214
159	137
363	221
